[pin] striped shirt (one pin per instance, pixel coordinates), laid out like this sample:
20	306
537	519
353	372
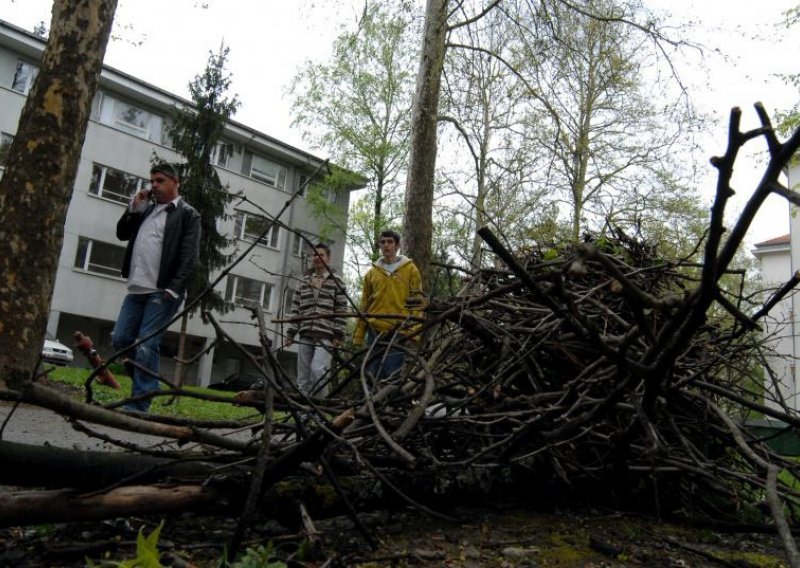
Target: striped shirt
325	296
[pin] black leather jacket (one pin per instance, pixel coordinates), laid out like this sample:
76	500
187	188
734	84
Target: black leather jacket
179	251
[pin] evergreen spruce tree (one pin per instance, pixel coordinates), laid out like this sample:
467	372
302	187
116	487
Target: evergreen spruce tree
196	135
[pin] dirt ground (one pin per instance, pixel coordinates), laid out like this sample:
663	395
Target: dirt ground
507	538
502	537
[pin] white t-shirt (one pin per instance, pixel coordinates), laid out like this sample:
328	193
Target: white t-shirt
146	257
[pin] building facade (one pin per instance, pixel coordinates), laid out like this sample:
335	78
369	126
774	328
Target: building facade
775	258
128	126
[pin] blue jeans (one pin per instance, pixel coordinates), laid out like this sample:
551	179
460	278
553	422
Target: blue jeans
383	362
139	316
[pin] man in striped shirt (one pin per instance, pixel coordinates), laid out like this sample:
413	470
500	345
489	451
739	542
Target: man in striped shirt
321	293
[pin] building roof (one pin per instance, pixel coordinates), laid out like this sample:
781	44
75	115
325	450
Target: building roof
32	46
782	240
771	247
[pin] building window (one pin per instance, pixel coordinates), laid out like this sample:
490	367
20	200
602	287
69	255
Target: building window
24	77
221	155
325	193
114	184
299	245
99	257
330	194
243	291
305	188
302	185
288	298
130	118
268	172
5	145
250	227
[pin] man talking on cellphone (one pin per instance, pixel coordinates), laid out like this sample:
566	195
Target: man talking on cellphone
163	234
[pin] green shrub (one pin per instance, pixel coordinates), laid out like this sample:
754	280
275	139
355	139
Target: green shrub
147	554
258	557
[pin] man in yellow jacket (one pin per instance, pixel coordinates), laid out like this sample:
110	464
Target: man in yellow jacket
392	287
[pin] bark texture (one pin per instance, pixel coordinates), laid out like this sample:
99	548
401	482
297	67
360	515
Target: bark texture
37	184
418	227
69	506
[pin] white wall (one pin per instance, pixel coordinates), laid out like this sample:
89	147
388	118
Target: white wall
91	300
779	325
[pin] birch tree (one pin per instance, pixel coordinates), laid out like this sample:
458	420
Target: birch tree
604	129
355	106
606	148
485	122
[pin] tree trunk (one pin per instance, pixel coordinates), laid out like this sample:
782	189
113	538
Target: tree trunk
27	465
418	227
36	507
40	173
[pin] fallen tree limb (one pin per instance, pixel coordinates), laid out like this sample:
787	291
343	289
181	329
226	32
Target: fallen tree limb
47	466
38	507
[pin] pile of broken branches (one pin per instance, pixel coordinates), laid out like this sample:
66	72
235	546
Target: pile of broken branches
594	371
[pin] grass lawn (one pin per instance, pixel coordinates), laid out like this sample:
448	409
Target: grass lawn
183	406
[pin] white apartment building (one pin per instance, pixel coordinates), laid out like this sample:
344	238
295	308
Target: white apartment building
127	126
779	258
776	259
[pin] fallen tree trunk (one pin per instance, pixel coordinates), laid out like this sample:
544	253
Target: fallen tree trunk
40	395
26	465
36	507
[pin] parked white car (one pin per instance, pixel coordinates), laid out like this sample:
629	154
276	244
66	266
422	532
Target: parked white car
56	352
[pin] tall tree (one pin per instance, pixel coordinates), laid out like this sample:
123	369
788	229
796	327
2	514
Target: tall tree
487	108
418	223
40	173
604	138
196	134
355	106
609	134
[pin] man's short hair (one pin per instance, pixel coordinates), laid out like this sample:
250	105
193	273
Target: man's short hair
324	247
165	168
393	234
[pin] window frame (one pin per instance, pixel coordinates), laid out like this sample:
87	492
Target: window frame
330	195
302	189
101	189
277	180
298	243
272	240
221	154
109	114
87	245
288	299
29	79
266	292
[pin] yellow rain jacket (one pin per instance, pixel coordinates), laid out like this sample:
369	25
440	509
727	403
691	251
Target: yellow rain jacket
388	292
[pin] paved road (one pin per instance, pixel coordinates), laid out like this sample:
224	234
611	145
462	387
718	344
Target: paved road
39	426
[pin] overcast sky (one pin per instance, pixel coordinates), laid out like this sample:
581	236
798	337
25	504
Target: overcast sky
748	50
166	42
